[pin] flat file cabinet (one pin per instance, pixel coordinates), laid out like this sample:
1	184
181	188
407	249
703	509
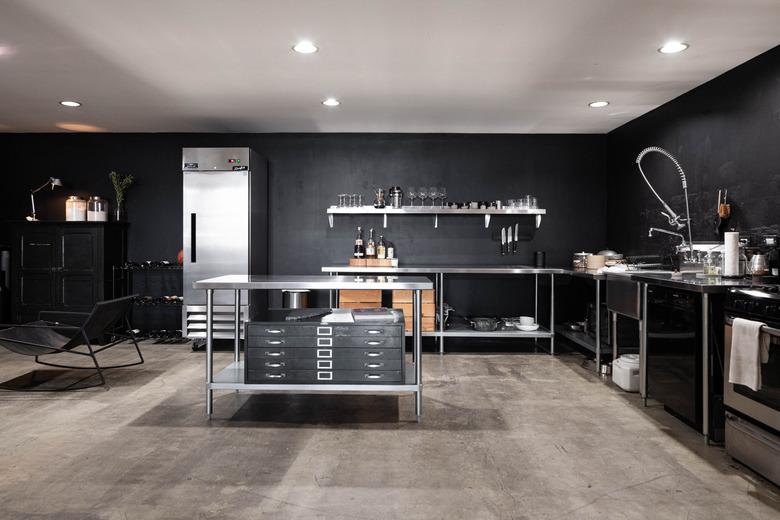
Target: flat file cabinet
312	352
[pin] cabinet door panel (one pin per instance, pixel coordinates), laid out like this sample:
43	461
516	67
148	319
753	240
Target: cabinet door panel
77	291
36	289
38	250
78	251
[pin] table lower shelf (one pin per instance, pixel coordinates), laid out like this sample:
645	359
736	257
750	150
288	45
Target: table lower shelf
232	378
541	332
584	340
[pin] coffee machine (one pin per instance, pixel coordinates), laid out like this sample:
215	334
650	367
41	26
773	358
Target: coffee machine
771	248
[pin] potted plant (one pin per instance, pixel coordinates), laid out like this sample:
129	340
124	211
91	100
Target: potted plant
121	182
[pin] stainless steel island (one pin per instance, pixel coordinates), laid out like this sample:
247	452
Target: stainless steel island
232	376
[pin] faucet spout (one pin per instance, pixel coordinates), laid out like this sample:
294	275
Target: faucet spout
683	246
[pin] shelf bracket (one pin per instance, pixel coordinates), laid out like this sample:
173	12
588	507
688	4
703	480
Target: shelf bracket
538	221
487	220
330	219
436	221
384	220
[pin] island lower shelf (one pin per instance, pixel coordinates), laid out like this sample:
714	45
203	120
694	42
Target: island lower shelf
232	378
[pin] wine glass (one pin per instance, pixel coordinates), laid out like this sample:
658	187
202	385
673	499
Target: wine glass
442	194
433	193
412	192
423	194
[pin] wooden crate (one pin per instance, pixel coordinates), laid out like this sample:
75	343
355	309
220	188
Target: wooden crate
428	324
359	305
405	296
357	262
428	309
360	295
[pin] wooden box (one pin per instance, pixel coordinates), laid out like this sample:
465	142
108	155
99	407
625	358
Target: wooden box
428	309
359	305
405	296
428	324
357	262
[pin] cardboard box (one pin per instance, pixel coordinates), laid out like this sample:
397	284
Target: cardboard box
428	324
360	295
428	309
359	305
405	296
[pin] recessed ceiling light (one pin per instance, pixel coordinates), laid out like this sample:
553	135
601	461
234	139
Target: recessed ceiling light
70	103
305	47
598	104
331	102
673	47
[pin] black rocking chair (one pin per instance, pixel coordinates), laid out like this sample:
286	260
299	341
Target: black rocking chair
64	331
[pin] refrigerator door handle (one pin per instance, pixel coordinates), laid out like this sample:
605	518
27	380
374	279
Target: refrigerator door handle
193	221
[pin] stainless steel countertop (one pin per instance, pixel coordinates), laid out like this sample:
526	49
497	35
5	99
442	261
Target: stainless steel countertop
592	274
444	268
286	281
689	282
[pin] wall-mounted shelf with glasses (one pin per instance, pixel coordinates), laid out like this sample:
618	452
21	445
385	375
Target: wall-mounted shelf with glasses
435	211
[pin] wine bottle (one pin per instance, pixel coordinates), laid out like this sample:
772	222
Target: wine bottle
371	246
360	251
381	248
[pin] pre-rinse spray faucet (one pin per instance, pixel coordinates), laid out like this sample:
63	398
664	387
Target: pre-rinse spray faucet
674	219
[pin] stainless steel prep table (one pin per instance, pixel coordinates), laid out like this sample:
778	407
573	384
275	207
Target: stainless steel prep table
440	270
232	377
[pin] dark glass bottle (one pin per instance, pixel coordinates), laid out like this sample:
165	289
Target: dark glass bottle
360	251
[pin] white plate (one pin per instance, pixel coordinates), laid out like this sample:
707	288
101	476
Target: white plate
528	328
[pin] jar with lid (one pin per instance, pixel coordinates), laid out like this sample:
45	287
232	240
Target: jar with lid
97	209
75	209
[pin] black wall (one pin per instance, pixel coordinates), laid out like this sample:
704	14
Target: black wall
565	172
726	135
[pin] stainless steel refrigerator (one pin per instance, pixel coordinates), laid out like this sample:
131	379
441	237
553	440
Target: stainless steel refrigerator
225	232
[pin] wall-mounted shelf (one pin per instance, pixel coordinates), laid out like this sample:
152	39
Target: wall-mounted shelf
435	211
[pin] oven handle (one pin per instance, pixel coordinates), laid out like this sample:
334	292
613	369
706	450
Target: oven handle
766	328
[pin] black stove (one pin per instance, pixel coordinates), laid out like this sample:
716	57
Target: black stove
758	302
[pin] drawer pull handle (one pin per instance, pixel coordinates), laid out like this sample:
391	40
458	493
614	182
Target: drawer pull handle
374	365
324	353
274	341
324	331
275	376
324	342
324	376
324	364
373	376
275	331
374	354
39	244
275	354
374	341
374	331
277	364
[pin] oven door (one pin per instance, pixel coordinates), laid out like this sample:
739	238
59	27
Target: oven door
764	405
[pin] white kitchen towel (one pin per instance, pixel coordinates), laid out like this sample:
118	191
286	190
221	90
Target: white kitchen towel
749	349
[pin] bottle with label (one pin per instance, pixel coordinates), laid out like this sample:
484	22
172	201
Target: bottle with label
381	248
371	246
360	251
390	250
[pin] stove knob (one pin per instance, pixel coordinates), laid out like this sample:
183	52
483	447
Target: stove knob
773	310
740	304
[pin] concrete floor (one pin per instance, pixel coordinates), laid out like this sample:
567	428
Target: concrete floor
503	436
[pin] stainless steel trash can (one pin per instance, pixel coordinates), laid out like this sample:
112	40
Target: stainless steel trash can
295	299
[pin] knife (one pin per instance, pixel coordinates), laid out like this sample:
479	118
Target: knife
509	240
517	232
503	240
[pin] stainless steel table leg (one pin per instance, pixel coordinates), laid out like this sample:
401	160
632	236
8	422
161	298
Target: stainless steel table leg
552	314
237	339
614	337
536	298
643	347
209	350
598	326
705	367
441	313
332	293
417	335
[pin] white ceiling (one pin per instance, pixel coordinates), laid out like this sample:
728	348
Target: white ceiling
491	66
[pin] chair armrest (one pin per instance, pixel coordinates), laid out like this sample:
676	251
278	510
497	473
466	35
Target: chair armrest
76	319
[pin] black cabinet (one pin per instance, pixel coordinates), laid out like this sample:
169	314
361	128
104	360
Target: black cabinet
317	353
63	265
